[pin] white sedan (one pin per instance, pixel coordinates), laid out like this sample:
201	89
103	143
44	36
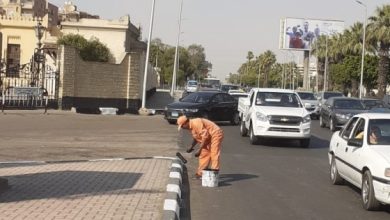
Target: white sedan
360	154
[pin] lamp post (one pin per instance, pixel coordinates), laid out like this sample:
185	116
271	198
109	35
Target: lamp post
147	56
176	62
38	56
364	47
326	64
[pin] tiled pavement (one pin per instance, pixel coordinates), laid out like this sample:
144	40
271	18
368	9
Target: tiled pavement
123	189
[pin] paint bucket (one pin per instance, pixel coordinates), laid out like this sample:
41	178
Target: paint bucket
210	178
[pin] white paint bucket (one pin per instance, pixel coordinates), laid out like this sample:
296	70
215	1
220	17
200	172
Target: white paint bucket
210	178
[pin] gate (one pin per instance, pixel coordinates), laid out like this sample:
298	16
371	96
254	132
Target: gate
25	88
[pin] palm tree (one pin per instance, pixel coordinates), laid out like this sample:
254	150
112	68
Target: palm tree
266	61
379	37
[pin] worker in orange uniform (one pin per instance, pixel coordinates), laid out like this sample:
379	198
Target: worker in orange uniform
209	136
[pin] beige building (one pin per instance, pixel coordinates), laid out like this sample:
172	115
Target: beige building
17	29
120	35
81	84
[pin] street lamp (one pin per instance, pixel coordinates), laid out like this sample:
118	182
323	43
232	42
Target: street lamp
39	58
326	63
147	56
176	62
39	31
364	47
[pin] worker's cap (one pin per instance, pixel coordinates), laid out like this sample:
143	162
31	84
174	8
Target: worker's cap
181	121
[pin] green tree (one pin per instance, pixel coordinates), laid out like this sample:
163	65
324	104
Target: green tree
378	36
90	50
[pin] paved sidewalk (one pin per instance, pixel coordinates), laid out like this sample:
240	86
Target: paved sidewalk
116	189
127	189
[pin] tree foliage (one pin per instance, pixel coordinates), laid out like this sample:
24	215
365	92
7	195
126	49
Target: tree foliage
90	50
192	62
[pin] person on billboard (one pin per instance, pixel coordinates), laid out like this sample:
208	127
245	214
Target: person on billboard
296	40
307	35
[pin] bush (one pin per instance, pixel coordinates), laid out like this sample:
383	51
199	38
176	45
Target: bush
90	50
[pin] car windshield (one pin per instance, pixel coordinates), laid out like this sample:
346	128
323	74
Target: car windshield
306	96
379	132
192	83
197	97
327	95
278	99
373	103
348	104
226	88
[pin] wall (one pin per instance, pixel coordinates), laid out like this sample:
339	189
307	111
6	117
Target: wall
92	84
115	34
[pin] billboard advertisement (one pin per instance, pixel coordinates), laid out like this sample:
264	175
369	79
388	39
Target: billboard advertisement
300	33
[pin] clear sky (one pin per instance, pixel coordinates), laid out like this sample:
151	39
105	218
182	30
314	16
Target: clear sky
227	29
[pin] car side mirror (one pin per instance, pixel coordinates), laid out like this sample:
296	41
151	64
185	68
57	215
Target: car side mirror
355	142
307	105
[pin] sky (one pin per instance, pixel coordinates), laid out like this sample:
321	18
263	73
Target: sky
227	29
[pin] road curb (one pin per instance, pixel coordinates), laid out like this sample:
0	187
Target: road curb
172	202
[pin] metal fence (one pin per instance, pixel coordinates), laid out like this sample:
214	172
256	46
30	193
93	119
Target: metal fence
29	91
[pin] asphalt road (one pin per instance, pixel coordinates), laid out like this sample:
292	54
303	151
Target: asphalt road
278	180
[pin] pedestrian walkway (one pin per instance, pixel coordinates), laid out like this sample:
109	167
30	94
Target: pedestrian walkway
117	189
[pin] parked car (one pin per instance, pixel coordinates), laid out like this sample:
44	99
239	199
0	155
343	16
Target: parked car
216	106
370	103
192	86
237	94
323	96
360	154
338	110
274	113
227	87
308	97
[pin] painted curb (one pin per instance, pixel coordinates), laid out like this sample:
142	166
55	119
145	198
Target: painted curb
172	202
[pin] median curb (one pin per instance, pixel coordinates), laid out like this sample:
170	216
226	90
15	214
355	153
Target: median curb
172	202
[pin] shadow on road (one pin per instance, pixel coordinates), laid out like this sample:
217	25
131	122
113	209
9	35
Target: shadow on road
227	179
68	184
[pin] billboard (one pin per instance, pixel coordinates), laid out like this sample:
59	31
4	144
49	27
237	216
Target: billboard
300	33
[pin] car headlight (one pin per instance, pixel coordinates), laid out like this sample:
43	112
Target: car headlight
261	117
343	116
306	119
387	172
193	110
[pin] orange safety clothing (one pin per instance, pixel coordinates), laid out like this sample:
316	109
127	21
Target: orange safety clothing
205	131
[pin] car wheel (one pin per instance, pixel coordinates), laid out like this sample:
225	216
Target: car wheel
304	142
172	122
236	119
253	139
322	124
334	173
368	195
243	130
332	127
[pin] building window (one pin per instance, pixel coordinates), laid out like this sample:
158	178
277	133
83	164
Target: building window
13	60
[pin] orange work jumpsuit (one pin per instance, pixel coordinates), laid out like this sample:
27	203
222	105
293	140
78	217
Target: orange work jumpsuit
205	131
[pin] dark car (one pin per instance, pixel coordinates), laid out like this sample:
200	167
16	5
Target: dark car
216	106
336	111
372	103
226	87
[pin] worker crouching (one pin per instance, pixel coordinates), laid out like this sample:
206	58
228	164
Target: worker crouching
209	136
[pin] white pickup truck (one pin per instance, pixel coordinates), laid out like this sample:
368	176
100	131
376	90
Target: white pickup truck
274	113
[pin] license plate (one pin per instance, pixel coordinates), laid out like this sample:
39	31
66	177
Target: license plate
175	114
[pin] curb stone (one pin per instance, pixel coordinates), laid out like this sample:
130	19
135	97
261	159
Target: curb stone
172	202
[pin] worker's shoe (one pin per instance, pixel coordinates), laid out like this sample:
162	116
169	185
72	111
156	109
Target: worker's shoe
197	177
